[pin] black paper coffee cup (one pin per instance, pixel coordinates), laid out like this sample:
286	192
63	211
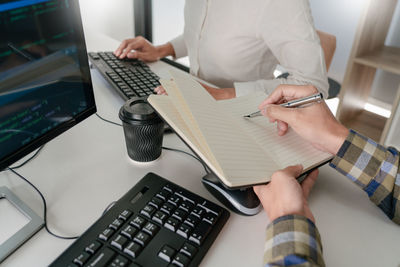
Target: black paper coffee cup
143	130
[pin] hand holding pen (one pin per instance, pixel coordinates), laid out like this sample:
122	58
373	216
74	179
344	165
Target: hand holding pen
300	102
314	123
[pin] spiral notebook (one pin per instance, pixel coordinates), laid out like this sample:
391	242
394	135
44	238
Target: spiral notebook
240	152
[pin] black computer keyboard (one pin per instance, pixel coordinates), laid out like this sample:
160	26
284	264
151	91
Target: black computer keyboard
130	77
157	223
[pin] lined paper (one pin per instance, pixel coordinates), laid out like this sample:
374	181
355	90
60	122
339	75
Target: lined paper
290	149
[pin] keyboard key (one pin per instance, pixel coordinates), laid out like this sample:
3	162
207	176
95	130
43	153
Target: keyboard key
189	250
93	247
106	234
133	249
116	224
181	260
101	258
142	238
150	228
119	261
168	208
200	233
160	217
184	230
186	205
156	202
148	211
125	215
119	242
172	224
180	214
138	222
163	194
210	207
210	218
174	200
192	220
198	211
82	258
185	195
129	231
167	253
170	188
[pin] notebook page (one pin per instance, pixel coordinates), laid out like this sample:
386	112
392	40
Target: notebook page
170	114
187	117
286	150
242	160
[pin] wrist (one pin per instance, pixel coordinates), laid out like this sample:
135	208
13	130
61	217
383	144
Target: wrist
165	50
338	138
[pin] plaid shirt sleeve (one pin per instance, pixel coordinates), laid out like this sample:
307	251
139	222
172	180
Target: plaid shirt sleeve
374	168
293	240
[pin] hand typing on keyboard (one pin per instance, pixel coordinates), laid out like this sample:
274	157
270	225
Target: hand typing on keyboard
140	48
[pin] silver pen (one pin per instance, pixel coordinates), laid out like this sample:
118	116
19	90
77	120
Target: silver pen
292	104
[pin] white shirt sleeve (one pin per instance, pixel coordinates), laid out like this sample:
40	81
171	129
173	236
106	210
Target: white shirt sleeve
288	30
179	46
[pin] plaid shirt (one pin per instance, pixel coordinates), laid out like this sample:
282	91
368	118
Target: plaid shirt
294	240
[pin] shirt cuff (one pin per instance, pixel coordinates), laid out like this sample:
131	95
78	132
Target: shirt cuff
179	46
359	158
292	240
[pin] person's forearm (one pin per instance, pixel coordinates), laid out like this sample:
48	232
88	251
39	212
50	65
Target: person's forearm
374	168
165	50
293	240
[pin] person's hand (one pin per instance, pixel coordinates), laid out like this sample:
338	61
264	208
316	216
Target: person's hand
160	90
284	195
220	93
140	48
315	122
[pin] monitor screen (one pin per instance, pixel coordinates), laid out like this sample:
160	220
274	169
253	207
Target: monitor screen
45	84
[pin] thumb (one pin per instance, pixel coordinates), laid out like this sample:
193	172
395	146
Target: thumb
293	171
277	112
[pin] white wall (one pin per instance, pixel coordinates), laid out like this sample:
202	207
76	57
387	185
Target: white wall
113	18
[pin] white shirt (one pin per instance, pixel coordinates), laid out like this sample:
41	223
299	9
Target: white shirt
238	43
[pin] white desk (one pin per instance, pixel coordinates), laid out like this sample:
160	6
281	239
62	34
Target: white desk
86	168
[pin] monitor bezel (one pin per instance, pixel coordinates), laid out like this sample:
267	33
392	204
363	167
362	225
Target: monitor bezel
18	154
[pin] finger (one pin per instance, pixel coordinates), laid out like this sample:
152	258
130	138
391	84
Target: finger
309	182
282	127
127	50
121	47
274	112
293	171
288	92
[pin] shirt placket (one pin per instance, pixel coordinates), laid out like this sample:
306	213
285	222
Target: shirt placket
196	67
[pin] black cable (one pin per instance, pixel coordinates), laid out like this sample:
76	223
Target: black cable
45	207
108	120
193	156
26	161
166	148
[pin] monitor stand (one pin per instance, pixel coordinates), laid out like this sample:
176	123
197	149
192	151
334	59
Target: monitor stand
35	224
241	201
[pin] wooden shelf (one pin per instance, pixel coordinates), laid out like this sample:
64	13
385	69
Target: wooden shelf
386	58
368	55
368	124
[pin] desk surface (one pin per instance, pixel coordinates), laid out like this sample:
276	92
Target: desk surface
86	168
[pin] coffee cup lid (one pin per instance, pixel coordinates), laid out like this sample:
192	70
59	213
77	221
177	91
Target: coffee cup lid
137	109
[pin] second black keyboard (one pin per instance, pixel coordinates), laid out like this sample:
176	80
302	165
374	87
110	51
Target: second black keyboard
157	223
130	77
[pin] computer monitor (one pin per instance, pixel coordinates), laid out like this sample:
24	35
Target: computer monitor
45	83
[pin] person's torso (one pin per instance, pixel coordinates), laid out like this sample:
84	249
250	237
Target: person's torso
224	42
